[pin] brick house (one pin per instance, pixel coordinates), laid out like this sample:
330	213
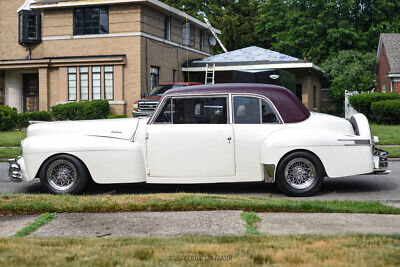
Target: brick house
387	68
57	51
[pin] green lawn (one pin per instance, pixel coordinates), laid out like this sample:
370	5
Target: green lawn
388	134
9	152
394	152
12	138
42	203
299	250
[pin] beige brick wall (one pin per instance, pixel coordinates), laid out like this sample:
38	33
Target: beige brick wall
141	53
2	92
9	47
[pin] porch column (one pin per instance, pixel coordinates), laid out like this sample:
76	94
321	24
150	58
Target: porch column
43	89
13	90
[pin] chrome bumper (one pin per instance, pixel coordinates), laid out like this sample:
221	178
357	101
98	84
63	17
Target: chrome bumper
380	161
14	171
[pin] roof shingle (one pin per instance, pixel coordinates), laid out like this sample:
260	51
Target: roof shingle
391	41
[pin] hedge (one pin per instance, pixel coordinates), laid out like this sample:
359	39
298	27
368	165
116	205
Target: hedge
362	102
116	116
8	118
90	110
386	112
24	118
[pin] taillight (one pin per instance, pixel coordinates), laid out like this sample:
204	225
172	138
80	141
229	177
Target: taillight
136	106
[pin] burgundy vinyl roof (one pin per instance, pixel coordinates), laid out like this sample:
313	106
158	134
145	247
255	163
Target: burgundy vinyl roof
289	106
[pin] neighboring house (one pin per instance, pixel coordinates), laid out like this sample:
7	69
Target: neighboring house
58	51
387	68
259	65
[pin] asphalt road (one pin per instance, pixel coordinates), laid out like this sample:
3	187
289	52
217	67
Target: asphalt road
385	188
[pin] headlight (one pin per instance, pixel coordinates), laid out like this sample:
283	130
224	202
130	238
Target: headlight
136	106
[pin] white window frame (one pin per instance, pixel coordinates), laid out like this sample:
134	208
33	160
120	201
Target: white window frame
72	78
93	80
81	85
108	70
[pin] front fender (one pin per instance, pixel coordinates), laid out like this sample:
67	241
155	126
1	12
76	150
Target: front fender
337	152
109	160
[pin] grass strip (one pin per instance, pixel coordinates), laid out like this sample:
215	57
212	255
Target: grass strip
12	138
39	222
388	134
250	218
41	203
305	250
9	152
394	152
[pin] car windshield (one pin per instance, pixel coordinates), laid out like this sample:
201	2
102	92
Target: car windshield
161	89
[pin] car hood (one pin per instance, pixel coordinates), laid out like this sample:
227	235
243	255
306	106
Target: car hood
113	128
151	99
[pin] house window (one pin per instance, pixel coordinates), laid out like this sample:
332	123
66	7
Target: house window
202	34
167	28
174	76
84	83
96	82
109	82
90	20
315	97
154	77
29	28
72	84
188	34
383	88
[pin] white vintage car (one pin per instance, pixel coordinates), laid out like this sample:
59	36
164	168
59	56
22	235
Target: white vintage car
204	134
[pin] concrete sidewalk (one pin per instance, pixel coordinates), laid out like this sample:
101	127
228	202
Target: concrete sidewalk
162	224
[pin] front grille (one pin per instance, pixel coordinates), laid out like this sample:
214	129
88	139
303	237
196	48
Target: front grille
147	106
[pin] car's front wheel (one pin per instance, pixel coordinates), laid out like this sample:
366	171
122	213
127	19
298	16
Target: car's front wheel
300	174
64	174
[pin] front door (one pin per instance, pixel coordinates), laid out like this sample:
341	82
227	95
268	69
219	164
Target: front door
31	92
191	137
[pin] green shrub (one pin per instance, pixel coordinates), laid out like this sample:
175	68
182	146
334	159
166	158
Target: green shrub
8	118
386	112
362	102
116	116
90	110
24	118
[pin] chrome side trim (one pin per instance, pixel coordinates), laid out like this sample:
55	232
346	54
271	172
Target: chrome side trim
269	173
357	142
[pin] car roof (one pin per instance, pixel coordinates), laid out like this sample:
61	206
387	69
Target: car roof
181	83
288	105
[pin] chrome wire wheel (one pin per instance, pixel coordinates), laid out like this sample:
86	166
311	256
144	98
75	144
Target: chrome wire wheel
300	173
62	175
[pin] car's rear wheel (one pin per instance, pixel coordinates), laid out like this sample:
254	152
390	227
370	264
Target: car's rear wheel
300	174
64	174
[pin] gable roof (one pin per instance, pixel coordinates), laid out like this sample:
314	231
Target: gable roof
254	58
391	41
44	4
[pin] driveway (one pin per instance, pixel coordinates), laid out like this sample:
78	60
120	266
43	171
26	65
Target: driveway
385	188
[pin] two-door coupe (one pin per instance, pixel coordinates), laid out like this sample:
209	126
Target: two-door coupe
204	134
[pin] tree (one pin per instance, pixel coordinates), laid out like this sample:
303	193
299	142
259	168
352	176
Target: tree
317	29
236	19
350	70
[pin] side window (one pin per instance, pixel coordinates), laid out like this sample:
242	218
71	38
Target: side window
268	114
252	110
200	110
165	115
246	110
